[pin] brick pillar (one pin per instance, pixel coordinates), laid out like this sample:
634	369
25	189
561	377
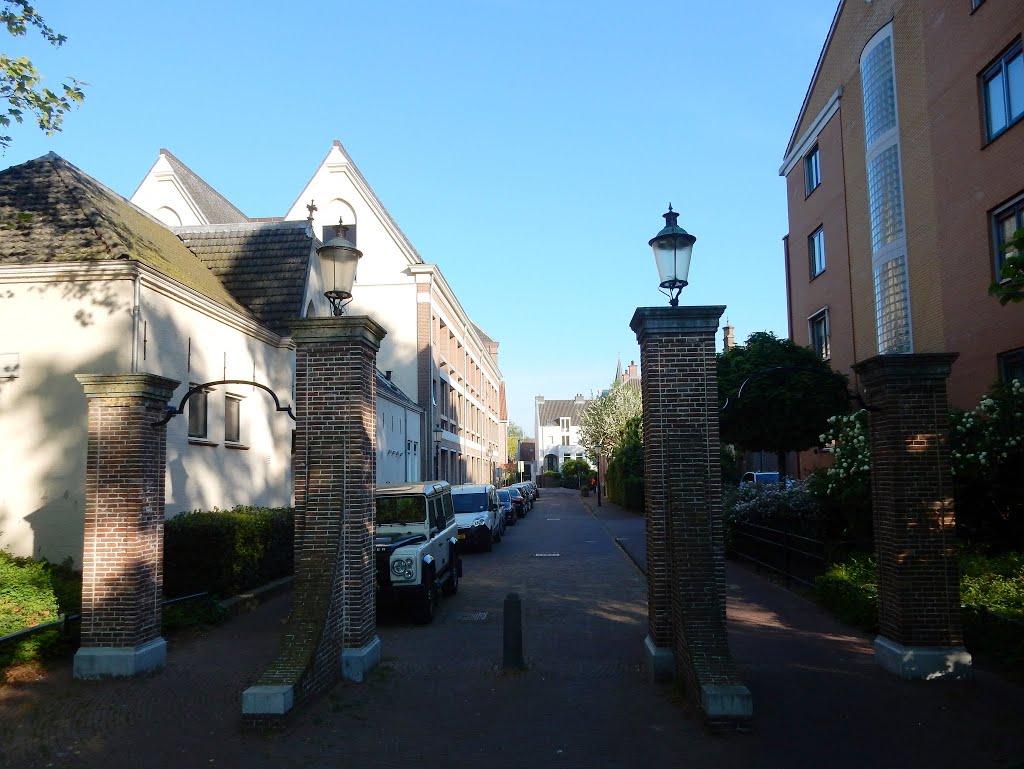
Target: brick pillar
920	632
122	562
332	629
683	503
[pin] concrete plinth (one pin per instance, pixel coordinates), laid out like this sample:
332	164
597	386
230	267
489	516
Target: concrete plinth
119	662
356	663
661	664
268	700
732	701
923	663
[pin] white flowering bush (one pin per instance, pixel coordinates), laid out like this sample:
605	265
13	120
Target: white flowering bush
847	437
987	458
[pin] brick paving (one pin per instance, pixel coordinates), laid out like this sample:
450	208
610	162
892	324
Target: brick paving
441	699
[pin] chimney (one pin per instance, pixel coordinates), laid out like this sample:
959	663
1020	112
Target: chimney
632	369
387	375
728	342
539	400
579	398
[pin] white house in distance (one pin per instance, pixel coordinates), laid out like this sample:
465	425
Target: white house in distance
557	427
435	353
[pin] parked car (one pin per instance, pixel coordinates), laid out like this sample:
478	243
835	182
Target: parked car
416	545
508	509
534	489
518	501
523	489
478	515
761	477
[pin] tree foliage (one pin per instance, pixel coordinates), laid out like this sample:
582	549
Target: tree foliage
605	418
21	83
515	435
789	393
1010	286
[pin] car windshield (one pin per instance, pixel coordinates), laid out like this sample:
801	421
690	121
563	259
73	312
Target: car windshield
470	503
515	494
398	510
504	496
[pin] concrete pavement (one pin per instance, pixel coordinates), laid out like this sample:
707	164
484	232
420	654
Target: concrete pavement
441	699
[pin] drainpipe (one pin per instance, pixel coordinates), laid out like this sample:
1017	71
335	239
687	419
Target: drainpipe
136	319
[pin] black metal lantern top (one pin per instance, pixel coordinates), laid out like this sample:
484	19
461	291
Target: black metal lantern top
672	247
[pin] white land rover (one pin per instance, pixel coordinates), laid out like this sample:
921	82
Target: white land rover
416	545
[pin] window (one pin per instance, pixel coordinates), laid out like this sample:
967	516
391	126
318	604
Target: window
976	4
197	414
564	422
812	171
1011	366
1005	222
819	334
816	251
232	421
565	440
1002	87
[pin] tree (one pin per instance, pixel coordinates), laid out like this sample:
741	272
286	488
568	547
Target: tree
606	417
515	435
789	393
1010	286
20	82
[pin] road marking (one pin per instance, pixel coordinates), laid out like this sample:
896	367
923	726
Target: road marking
546	555
554	519
473	616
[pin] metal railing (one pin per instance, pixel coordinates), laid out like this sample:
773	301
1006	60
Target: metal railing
797	557
64	620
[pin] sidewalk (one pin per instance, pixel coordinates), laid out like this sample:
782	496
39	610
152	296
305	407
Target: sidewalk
441	699
818	691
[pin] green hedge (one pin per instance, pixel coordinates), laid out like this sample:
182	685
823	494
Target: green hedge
29	592
226	552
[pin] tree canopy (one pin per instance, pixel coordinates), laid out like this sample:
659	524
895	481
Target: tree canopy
789	393
515	434
605	418
20	82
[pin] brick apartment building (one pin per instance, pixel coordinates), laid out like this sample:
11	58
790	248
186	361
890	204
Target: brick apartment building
904	177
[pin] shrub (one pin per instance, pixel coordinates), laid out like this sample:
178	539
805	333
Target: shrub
849	590
27	598
226	552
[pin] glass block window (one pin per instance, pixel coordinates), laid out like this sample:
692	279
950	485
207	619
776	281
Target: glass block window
885	205
1003	92
892	307
816	251
879	87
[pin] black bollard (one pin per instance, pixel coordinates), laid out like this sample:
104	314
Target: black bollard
514	633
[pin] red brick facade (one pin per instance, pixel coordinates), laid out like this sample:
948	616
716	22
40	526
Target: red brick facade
334	604
683	502
122	565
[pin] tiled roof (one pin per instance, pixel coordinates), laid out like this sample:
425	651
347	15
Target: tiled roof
549	412
55	212
215	207
483	336
385	385
263	264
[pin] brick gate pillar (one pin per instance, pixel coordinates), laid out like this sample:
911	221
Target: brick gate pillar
920	630
122	561
332	628
683	503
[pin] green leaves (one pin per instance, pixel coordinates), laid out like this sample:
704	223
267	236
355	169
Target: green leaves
21	83
1010	286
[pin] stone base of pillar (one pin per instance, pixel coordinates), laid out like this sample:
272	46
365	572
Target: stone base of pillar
731	702
661	662
356	663
121	661
925	663
268	700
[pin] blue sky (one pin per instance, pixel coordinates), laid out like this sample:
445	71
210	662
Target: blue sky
528	147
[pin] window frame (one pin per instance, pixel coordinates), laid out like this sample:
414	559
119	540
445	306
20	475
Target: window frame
822	317
236	402
1000	67
1016	207
812	160
813	252
195	432
1006	361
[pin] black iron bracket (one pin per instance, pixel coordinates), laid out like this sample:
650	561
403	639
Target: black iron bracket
173	412
854	396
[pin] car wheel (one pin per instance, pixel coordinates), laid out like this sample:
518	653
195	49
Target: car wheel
423	609
451	587
497	533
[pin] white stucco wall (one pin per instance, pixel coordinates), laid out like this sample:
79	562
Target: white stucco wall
66	320
163	195
399	446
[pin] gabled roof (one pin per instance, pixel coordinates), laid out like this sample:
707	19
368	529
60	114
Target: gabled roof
58	213
214	207
483	336
814	79
264	264
390	390
549	412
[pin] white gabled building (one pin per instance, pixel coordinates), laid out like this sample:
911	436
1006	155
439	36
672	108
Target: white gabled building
557	427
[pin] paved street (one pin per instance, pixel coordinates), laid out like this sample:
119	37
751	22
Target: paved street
441	699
